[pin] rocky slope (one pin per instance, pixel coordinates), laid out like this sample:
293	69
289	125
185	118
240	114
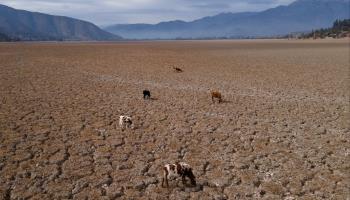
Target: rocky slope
38	26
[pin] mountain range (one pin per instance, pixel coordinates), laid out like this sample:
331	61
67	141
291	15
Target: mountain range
24	25
299	16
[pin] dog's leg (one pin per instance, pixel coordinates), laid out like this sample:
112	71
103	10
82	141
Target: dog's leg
183	180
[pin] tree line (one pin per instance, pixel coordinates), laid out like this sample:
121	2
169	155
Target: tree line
340	29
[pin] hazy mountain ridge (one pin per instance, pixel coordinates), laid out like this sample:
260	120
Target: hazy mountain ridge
26	25
301	15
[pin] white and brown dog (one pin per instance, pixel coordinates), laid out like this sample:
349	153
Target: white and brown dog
179	169
125	122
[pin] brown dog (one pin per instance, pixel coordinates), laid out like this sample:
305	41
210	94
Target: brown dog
216	95
177	69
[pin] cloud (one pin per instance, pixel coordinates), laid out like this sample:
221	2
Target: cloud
106	12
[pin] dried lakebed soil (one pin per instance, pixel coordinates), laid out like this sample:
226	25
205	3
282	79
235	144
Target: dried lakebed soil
282	132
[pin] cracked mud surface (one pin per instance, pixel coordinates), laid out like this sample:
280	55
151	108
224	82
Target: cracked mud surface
282	132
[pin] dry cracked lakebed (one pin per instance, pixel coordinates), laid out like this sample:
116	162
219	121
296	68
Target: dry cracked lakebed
282	131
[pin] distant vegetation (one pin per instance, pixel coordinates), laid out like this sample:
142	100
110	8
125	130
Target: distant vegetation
340	29
6	38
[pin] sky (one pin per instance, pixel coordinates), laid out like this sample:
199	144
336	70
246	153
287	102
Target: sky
108	12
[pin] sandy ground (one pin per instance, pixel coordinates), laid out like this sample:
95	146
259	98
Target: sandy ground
282	132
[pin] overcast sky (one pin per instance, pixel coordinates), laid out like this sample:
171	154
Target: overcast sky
106	12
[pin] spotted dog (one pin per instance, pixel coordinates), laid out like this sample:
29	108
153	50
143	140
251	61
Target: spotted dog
179	169
125	122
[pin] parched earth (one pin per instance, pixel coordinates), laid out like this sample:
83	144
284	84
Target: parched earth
281	133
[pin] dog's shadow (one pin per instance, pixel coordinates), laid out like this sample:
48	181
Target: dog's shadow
223	102
187	186
150	99
226	101
192	188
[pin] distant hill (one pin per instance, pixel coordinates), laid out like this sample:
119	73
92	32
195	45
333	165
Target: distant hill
26	25
301	15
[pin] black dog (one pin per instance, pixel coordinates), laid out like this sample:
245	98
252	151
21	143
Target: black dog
146	94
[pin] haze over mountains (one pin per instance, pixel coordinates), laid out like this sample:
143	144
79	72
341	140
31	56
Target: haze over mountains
25	25
299	16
